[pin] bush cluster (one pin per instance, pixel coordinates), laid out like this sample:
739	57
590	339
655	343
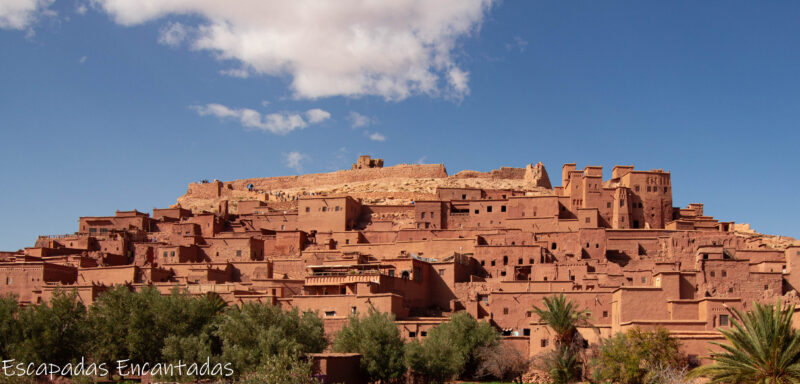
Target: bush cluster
147	327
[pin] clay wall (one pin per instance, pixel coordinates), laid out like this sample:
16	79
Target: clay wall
225	249
109	275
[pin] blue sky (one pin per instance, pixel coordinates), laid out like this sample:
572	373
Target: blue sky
119	104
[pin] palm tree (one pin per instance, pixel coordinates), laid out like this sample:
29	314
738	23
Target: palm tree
762	349
563	317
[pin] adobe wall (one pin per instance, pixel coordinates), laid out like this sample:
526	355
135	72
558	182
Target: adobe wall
332	178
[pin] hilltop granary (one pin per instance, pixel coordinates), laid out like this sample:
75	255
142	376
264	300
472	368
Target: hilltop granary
413	241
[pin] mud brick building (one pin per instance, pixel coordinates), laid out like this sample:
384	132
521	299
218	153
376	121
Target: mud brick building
421	244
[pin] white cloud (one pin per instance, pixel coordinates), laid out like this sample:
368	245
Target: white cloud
172	34
20	14
358	120
277	123
236	72
375	136
317	115
459	82
391	49
294	160
82	59
81	9
518	43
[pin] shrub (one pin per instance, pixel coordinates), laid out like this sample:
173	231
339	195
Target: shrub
54	332
376	337
503	362
762	347
252	333
628	358
452	348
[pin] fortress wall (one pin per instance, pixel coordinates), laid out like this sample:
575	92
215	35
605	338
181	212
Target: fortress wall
342	177
502	173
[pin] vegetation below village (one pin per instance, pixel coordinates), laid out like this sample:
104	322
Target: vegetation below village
264	344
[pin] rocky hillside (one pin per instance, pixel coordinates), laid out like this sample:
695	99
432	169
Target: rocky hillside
399	184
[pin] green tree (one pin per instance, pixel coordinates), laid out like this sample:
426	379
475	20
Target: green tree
634	356
452	348
253	332
376	337
762	347
563	365
283	368
54	332
9	326
436	359
135	325
563	317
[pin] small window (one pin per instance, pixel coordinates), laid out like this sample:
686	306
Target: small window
636	188
489	209
423	333
553	246
353	310
723	320
527	313
608	205
605	313
172	253
330	313
724	273
493	263
483	263
412	334
766	287
505	311
519	261
526	331
644	280
502	208
308	209
347	241
441	272
336	209
324	209
588	220
544	343
391	272
238	253
477	211
503	273
165	253
463	197
423	215
712	274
